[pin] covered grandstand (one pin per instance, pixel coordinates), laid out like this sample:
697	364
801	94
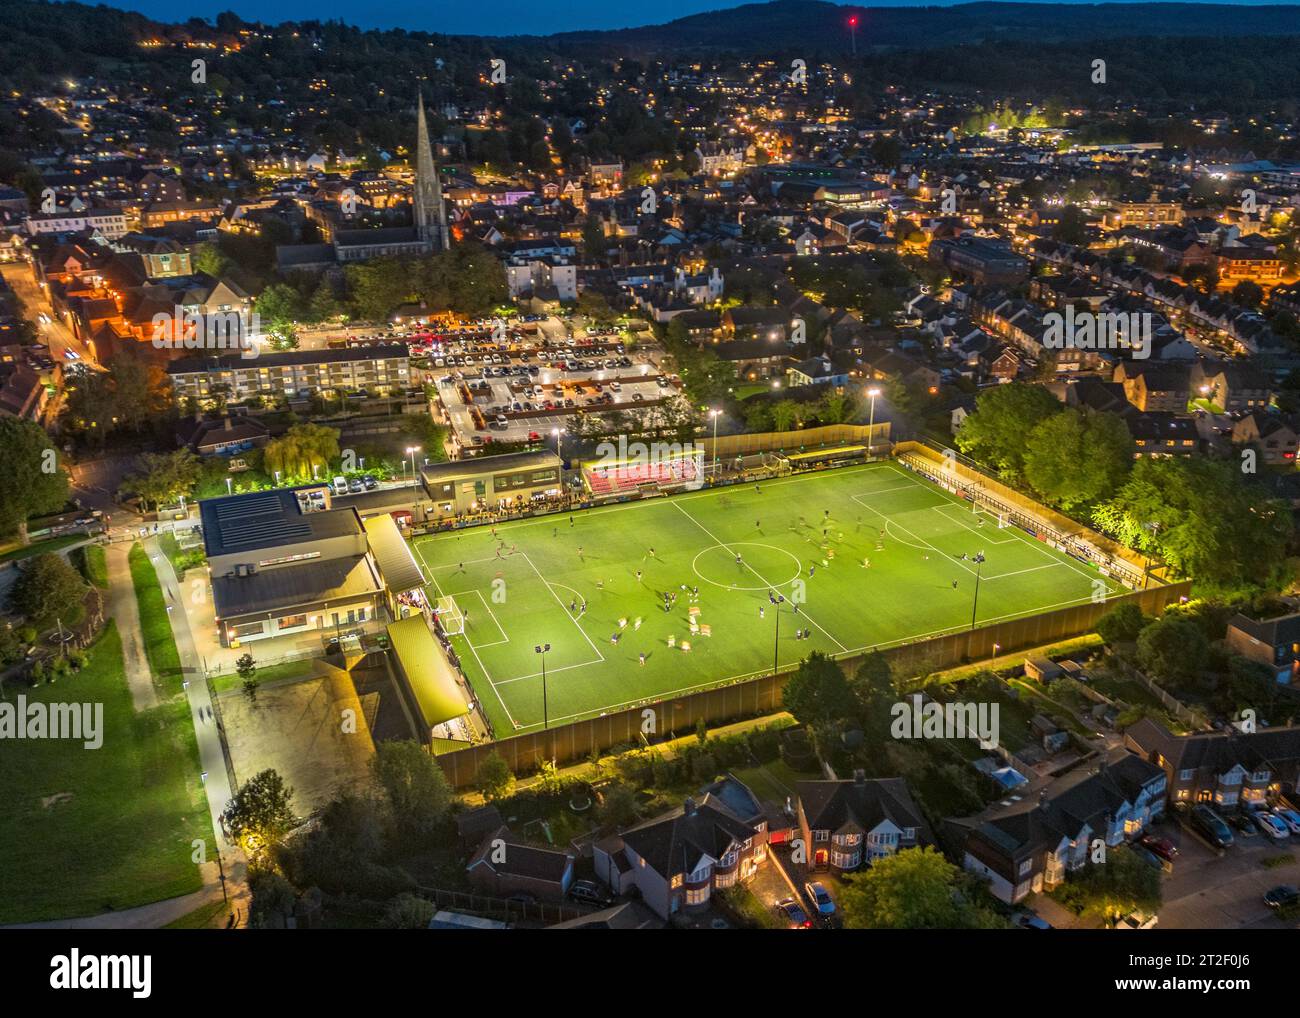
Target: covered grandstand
660	469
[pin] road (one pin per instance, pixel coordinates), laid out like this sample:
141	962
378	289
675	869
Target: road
55	334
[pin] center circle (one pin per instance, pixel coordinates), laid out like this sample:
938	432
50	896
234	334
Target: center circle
712	564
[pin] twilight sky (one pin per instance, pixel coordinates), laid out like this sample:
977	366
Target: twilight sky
495	17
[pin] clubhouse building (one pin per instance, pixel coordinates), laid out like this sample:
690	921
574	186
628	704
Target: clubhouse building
288	562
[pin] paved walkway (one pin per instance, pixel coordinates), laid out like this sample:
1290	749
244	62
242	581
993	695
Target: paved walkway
122	606
148	917
212	752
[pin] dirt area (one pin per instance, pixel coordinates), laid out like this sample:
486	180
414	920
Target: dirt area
314	732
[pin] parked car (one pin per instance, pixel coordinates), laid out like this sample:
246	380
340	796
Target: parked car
1029	921
370	482
1282	896
1289	817
587	892
340	485
1211	826
1162	847
820	899
355	486
1243	825
1271	826
1137	921
790	910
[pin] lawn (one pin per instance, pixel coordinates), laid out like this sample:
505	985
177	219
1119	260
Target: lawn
89	830
809	538
14	552
155	626
94	565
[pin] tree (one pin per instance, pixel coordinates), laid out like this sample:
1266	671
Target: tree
1076	457
417	789
301	449
261	814
246	668
915	889
1202	519
873	691
162	477
1122	624
1004	416
1173	647
48	590
818	694
34	481
409	912
619	807
494	778
1117	887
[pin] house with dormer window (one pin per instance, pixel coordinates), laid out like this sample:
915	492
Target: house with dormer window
1023	846
1224	769
846	825
676	861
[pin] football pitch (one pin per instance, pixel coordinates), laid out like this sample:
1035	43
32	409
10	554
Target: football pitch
864	556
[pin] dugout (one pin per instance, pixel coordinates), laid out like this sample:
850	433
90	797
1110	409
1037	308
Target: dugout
432	684
835	456
491	483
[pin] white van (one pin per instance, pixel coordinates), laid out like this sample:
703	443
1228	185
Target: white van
340	486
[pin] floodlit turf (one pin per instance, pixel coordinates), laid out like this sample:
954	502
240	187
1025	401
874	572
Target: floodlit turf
518	587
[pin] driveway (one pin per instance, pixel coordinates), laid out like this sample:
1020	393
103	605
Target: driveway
1206	891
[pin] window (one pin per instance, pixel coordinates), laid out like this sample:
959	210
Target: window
821	835
247	629
290	622
1025	867
697	895
1185	775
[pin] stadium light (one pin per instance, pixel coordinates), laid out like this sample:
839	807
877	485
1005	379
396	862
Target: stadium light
541	649
978	559
873	392
776	600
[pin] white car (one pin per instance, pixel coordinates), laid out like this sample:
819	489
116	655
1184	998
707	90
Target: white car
1271	825
1289	817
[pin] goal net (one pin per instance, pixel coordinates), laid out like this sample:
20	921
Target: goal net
449	616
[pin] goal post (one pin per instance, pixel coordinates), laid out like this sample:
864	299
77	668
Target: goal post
449	616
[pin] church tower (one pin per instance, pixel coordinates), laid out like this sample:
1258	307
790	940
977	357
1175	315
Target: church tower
430	210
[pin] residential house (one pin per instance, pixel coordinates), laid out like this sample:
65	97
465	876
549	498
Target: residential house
506	865
677	860
1274	643
846	825
1270	435
1223	769
1029	845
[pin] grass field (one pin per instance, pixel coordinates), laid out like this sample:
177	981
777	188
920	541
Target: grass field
89	830
807	538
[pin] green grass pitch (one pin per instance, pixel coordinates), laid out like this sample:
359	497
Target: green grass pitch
807	537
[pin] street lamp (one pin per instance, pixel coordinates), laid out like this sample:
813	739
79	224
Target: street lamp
411	450
559	444
776	600
871	420
715	414
230	486
978	559
541	649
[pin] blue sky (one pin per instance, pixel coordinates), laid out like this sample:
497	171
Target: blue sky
496	17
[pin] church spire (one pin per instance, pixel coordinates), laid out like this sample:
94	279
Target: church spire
430	210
